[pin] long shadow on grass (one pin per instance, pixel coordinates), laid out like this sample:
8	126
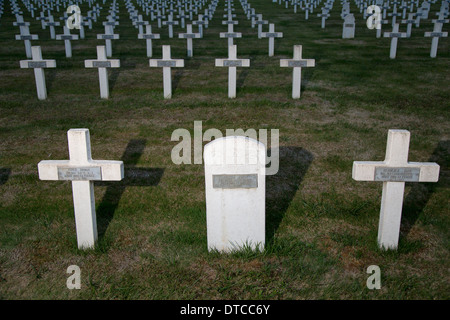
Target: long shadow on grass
133	176
420	193
4	175
176	79
282	187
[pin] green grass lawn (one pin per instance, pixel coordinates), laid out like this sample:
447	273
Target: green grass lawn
321	224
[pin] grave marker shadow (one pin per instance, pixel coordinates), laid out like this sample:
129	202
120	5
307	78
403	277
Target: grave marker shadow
420	193
282	187
133	176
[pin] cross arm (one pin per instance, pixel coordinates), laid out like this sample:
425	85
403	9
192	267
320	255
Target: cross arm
110	170
37	64
297	63
366	170
112	63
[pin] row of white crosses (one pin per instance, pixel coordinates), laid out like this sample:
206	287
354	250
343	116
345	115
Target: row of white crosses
103	63
235	187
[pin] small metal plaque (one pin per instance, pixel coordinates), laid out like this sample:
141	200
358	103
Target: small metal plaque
397	174
231	35
436	34
395	35
101	64
107	36
37	64
66	37
188	36
349	25
297	64
235	181
79	173
166	64
232	63
151	36
26	37
272	34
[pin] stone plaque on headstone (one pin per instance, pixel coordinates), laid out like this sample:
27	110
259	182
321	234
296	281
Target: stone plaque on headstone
235	181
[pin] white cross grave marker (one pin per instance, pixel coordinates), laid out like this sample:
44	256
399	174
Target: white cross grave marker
271	35
394	35
435	35
102	63
394	171
230	35
67	37
26	37
170	22
297	63
38	64
232	62
52	24
167	63
149	36
189	35
82	171
235	193
108	36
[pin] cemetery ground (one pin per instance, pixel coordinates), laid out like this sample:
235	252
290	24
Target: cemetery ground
321	225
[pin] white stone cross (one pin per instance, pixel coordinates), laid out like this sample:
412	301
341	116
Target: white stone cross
149	36
394	171
26	37
409	23
167	63
235	193
200	23
271	35
38	64
230	35
182	16
260	22
324	15
170	22
435	35
52	24
394	35
189	35
67	37
82	171
140	23
108	36
102	63
232	62
297	63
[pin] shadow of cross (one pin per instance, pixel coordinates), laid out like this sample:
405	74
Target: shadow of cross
133	176
420	193
4	175
282	187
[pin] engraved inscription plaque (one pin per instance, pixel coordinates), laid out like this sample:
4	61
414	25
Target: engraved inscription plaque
397	174
107	36
167	64
79	173
101	64
37	64
231	35
297	64
235	181
232	63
